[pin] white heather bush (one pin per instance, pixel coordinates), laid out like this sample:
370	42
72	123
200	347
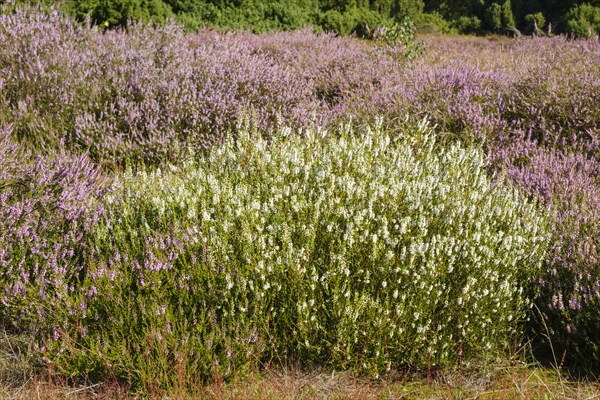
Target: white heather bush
353	250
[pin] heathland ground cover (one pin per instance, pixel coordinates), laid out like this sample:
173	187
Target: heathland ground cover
179	209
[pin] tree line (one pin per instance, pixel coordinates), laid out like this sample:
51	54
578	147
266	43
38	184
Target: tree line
579	18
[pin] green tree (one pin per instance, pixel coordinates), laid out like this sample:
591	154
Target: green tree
383	7
407	9
493	17
468	24
536	18
498	17
111	13
507	15
584	20
453	10
534	23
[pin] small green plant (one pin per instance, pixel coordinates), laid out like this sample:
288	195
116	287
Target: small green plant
401	36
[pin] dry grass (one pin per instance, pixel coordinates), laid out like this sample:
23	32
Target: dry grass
520	383
507	379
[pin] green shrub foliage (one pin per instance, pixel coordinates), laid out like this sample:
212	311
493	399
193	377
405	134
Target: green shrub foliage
111	13
566	16
493	17
360	17
499	16
584	20
537	18
359	251
341	16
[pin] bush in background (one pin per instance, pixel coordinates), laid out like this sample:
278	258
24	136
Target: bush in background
584	20
536	19
119	13
433	23
468	24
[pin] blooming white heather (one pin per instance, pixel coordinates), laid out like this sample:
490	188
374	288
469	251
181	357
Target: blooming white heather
373	234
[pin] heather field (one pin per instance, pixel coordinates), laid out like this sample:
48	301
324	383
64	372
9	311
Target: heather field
180	211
